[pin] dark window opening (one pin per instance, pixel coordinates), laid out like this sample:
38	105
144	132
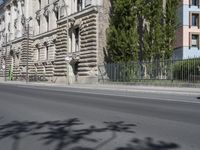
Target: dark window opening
195	19
79	5
76	32
40	6
47	53
47	21
195	40
195	2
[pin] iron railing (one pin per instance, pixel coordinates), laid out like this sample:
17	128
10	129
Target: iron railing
165	71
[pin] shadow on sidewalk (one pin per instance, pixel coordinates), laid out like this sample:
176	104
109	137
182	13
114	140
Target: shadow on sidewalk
68	134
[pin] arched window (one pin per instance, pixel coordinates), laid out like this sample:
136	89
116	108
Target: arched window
47	21
46	14
77	39
38	22
56	9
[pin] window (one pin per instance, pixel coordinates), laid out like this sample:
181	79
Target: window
39	2
47	21
195	2
56	14
71	41
56	9
195	40
195	19
38	21
75	40
76	32
79	5
47	52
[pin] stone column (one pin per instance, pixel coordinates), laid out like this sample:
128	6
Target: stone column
27	7
20	28
72	7
28	4
12	20
75	5
7	19
83	4
73	41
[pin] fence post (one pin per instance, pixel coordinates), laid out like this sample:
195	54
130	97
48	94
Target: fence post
194	70
172	75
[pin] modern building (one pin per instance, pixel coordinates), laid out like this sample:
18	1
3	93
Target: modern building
188	32
62	39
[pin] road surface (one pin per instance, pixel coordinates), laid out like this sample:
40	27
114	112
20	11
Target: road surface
50	118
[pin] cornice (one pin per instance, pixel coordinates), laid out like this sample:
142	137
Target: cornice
78	14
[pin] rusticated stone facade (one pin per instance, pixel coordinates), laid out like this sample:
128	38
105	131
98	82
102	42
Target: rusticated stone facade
66	41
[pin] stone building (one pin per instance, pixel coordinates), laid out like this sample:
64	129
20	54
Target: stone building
63	40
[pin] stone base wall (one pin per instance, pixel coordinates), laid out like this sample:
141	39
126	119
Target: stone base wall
87	80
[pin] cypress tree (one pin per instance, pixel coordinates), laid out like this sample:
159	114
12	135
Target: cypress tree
171	23
142	29
122	35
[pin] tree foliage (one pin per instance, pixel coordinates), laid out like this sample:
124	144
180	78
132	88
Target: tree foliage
122	34
141	29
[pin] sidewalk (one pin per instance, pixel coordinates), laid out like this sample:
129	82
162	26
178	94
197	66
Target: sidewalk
115	87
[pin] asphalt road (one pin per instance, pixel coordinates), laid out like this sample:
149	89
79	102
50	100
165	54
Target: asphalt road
49	118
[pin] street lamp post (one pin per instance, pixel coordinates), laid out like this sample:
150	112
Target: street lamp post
27	51
67	57
6	58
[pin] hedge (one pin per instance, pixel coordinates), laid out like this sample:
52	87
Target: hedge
187	69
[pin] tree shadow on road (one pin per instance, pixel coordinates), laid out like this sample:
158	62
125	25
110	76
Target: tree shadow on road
67	134
16	130
149	144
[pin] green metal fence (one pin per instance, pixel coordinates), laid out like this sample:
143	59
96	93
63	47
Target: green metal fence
185	72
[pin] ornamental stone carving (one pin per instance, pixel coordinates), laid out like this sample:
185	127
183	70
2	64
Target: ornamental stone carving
38	15
46	12
38	45
18	51
55	7
23	20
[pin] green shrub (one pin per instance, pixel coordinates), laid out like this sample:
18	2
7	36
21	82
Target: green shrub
187	69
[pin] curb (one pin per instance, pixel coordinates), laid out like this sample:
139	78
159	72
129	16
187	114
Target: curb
121	88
